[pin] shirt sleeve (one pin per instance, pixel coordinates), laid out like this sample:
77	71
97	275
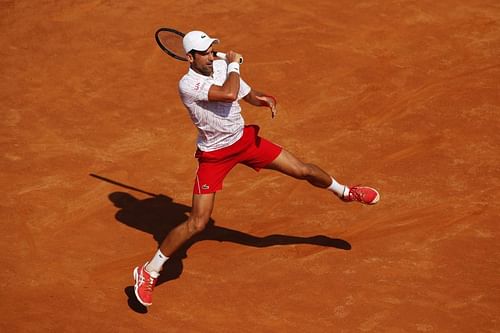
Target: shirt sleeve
244	89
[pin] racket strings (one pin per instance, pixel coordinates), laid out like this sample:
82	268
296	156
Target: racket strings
172	42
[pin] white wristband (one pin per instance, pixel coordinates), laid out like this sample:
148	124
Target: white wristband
233	67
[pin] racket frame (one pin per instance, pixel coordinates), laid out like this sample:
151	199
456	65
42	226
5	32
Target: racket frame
176	56
160	44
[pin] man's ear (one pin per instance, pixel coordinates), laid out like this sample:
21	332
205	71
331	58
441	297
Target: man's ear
190	57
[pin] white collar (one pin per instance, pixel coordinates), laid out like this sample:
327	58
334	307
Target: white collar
201	76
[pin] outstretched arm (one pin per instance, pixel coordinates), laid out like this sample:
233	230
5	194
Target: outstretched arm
258	98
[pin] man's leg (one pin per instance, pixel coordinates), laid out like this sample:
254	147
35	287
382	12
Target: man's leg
203	205
290	165
147	275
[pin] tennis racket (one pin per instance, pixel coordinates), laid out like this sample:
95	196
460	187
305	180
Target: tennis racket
170	41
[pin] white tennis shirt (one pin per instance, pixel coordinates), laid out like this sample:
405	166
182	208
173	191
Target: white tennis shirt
219	124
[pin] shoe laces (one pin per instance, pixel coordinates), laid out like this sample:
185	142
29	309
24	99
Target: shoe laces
148	283
356	194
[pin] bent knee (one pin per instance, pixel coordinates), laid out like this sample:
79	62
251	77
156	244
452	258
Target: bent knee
197	223
301	171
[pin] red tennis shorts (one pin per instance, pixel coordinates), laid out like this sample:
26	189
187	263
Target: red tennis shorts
250	150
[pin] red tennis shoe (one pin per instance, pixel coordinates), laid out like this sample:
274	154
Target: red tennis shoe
364	194
144	285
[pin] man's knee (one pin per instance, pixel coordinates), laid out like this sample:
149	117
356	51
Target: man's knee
197	223
302	170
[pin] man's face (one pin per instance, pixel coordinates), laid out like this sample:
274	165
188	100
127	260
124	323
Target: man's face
202	61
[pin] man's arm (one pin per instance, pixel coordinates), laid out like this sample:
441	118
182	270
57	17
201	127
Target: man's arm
228	92
258	98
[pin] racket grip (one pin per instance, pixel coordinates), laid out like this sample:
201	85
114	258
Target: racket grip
223	56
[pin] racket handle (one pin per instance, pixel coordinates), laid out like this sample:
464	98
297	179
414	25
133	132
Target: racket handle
223	56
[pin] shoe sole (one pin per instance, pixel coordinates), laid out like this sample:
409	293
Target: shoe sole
136	279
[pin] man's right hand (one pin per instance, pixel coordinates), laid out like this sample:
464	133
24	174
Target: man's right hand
232	56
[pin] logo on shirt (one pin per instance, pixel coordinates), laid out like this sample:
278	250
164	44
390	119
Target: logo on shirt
205	187
203	36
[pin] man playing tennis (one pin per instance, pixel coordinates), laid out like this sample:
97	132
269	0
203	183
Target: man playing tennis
211	91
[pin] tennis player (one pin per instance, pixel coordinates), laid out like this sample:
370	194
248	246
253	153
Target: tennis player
211	91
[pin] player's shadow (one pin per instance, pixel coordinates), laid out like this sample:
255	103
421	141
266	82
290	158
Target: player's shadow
160	214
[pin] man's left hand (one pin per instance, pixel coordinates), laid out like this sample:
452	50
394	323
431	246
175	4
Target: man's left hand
270	102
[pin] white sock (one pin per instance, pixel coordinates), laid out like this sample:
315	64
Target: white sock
339	189
156	264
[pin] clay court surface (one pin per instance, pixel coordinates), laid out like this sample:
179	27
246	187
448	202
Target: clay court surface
400	95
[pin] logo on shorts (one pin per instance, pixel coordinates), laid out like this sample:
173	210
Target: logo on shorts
205	187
